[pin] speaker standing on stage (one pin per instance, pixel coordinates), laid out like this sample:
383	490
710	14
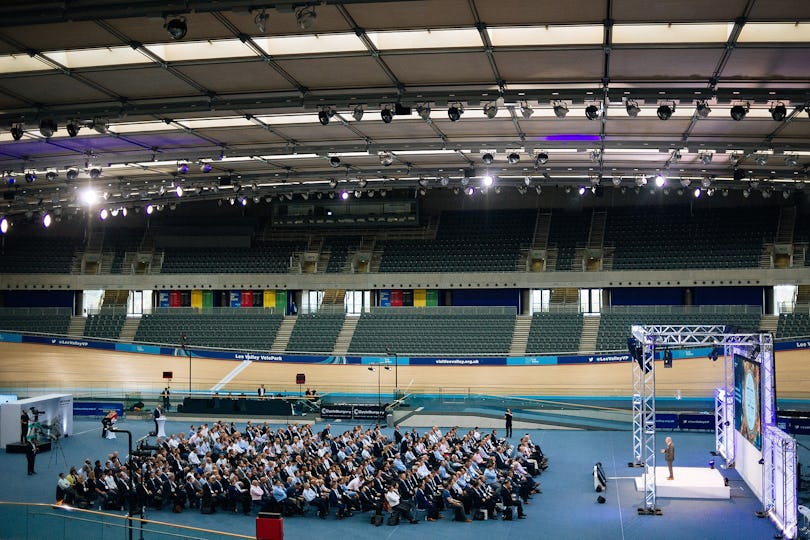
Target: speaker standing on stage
669	456
157	413
508	418
31	456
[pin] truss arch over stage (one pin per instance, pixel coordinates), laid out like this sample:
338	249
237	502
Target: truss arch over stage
770	469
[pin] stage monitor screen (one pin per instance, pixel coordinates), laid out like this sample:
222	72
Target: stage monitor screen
747	400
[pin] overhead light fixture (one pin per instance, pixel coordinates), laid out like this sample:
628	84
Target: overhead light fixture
344	195
541	158
491	110
177	28
103	214
46	220
596	155
761	160
387	115
526	111
95	172
47	128
444	181
73	128
778	112
527	181
17	131
702	109
4	225
591	112
560	110
454	112
538	189
182	168
738	112
487	158
325	114
333	183
362	183
205	167
357	113
697	192
685	182
513	158
386	159
660	180
30	177
305	17
149	209
72	174
665	111
487	181
99	124
50	176
423	110
676	156
334	161
632	109
261	21
581	190
791	161
469	190
179	191
706	158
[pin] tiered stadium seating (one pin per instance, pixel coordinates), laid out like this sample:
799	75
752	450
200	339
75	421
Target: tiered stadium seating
434	330
682	237
339	248
567	231
104	326
121	241
554	332
465	242
614	326
36	255
315	332
35	320
793	325
225	329
263	258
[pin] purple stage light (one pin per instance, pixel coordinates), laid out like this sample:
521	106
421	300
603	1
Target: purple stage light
571	138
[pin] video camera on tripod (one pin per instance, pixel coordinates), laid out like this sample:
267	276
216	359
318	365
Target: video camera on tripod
36	413
143	449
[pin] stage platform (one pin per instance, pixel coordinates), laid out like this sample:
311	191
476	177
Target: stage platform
689	483
19	448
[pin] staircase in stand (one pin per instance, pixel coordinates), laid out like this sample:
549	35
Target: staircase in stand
129	329
334	297
786	226
284	333
520	337
344	338
769	323
76	328
590	329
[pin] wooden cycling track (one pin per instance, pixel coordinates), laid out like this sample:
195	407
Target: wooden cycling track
95	372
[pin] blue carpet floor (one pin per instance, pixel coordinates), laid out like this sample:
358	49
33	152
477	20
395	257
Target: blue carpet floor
566	509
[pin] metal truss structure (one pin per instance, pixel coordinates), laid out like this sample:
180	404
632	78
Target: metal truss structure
780	471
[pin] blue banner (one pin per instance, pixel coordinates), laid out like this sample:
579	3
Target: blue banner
96	408
696	421
163	299
385	298
70	342
666	421
236	299
794	426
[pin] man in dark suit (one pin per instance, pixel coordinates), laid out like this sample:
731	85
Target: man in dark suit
508	417
24	418
155	415
31	456
669	456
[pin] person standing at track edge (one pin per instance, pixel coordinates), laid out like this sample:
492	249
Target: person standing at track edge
31	456
24	418
508	418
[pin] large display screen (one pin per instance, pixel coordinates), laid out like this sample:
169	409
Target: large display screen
747	400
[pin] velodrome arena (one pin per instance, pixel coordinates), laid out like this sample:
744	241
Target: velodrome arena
339	242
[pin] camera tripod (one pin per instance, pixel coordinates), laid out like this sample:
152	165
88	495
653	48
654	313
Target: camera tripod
56	451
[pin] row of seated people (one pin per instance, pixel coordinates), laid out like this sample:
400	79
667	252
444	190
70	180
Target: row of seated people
292	468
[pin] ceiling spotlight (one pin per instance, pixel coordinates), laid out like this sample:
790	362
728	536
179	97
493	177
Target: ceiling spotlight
791	161
660	180
702	109
697	193
324	115
454	112
423	110
357	113
71	174
362	183
786	194
182	168
4	224
99	124
30	177
527	181
444	181
538	189
595	155
305	17
560	110
422	182
526	111
179	191
581	190
676	156
50	176
632	109
513	158
332	183
47	128
465	180
17	132
205	167
177	28
334	161
665	111
387	115
487	181
685	182
95	173
706	158
541	158
386	159
617	181
344	195
261	21
738	112
243	201
73	128
778	112
469	190
149	209
591	112
491	110
761	160
103	214
46	220
487	158
746	193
